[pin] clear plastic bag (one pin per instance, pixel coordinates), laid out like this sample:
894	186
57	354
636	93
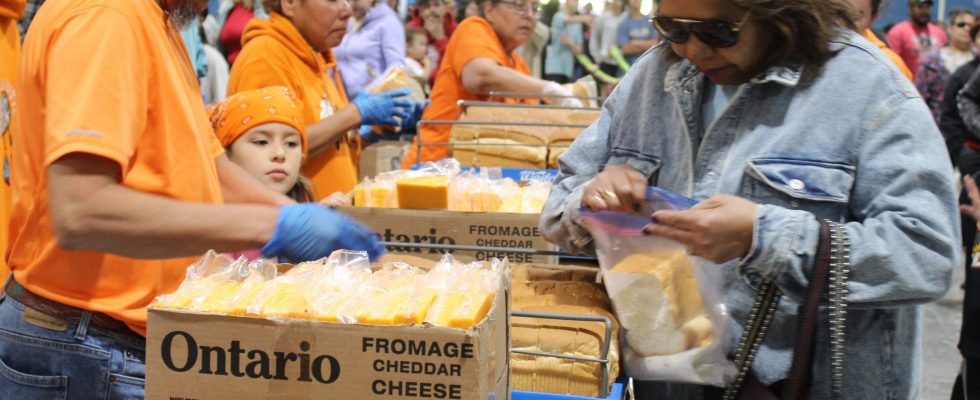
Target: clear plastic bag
674	322
209	273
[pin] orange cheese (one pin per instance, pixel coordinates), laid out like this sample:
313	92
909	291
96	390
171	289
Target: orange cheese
423	192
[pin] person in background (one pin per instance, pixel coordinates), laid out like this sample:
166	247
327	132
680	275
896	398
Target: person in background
742	111
375	42
230	37
868	11
434	17
604	34
470	9
936	65
418	63
119	184
10	12
533	50
916	36
967	384
480	59
635	35
293	49
566	43
962	143
30	8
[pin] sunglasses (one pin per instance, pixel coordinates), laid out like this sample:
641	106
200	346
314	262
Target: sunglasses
714	33
962	24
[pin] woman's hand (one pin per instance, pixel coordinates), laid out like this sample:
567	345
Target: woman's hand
617	188
718	229
972	209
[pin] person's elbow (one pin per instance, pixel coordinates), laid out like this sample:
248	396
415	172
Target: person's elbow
480	80
70	228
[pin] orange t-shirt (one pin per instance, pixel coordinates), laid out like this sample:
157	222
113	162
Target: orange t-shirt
10	12
473	38
896	59
107	78
274	53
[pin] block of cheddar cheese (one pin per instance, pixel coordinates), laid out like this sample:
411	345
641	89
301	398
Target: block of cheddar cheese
423	192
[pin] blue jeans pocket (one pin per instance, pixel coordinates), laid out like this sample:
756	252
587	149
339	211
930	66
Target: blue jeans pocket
122	387
19	385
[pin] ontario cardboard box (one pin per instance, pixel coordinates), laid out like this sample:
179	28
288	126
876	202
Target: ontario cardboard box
442	227
199	356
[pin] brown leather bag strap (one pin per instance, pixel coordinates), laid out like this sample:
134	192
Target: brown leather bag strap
798	381
829	274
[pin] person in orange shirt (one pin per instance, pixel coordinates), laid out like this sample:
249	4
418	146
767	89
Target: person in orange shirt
117	181
292	49
868	11
10	12
480	59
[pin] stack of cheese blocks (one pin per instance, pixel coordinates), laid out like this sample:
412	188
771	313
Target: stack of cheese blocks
516	146
661	308
343	288
547	289
454	192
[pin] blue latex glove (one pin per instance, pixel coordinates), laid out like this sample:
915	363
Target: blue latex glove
366	132
309	231
408	124
384	107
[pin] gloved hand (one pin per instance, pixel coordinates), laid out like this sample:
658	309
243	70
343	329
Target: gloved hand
408	124
554	89
310	231
366	132
384	107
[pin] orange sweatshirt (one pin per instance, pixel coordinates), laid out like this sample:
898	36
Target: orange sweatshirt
10	12
274	53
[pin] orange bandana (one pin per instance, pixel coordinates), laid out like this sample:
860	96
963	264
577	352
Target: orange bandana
240	112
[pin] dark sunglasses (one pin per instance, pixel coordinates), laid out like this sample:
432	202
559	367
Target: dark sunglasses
962	24
717	34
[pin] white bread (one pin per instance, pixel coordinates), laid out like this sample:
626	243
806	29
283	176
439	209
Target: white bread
581	338
661	310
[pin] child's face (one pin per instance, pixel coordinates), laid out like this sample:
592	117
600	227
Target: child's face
271	153
416	47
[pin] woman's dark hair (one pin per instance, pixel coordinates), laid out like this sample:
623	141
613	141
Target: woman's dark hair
801	30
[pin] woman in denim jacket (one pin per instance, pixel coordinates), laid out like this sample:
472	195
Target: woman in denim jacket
775	114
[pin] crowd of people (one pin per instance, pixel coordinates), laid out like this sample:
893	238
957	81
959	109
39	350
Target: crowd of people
138	134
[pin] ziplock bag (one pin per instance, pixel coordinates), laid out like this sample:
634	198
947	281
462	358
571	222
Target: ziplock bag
668	302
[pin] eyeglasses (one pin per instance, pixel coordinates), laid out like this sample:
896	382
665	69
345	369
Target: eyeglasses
714	33
522	7
962	24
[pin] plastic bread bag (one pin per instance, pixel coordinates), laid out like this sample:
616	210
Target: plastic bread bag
396	78
668	302
204	277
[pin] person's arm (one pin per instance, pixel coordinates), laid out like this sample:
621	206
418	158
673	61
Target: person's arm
91	210
238	186
328	131
950	122
595	42
968	102
580	19
392	45
483	75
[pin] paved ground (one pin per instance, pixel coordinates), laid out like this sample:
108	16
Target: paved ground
941	321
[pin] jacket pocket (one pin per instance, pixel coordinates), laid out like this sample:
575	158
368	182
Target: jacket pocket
822	188
649	166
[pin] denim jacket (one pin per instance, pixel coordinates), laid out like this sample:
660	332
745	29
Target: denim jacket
851	142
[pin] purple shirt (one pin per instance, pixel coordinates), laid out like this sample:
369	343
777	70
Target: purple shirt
369	50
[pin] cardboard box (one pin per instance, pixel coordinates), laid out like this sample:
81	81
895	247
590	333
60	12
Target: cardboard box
210	356
507	230
383	156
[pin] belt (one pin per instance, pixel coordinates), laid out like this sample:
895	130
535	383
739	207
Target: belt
64	312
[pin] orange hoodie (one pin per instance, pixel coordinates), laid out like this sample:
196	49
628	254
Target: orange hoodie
274	53
10	12
896	59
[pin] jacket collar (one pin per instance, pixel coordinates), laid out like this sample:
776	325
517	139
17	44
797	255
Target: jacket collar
681	74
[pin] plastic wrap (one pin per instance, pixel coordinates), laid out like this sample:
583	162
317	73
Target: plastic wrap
668	303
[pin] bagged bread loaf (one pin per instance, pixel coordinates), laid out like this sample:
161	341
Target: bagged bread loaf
674	324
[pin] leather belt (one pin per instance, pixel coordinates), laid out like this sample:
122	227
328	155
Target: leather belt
64	312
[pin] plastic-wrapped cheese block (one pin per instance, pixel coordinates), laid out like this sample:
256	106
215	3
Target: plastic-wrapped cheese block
423	192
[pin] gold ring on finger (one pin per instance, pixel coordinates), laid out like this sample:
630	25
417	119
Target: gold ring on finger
610	194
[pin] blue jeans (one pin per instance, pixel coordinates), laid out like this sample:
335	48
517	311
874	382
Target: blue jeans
77	362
